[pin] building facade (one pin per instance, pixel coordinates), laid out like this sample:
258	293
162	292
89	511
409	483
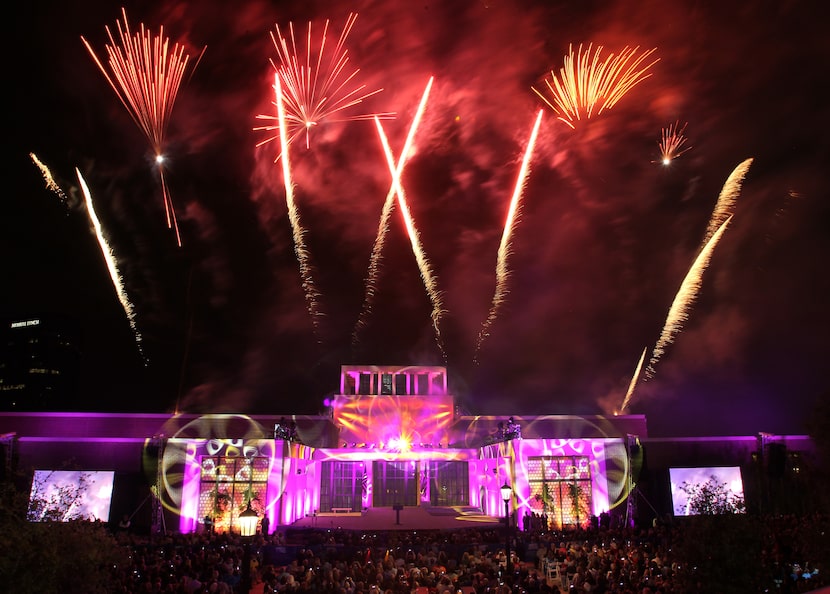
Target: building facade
392	437
39	363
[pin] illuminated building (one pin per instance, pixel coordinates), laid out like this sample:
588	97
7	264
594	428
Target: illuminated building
391	437
39	364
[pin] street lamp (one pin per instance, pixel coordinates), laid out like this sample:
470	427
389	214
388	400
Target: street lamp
506	493
247	528
248	520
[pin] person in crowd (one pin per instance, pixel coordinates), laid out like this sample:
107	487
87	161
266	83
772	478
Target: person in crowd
621	560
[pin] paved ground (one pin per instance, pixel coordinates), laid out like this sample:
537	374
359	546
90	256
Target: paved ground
410	518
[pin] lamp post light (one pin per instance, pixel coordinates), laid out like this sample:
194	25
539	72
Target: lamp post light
247	528
506	493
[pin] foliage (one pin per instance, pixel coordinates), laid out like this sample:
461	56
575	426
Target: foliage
54	556
59	505
250	496
545	498
579	503
221	501
712	498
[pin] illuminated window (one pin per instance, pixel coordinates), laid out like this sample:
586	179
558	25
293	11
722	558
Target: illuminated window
386	383
365	387
560	488
227	484
394	482
400	384
449	483
341	485
349	385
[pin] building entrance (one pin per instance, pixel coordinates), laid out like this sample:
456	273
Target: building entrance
394	483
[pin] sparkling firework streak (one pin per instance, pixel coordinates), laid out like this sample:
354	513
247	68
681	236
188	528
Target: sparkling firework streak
146	73
318	89
423	265
679	311
585	83
726	200
633	383
109	258
311	294
672	142
386	213
502	271
47	177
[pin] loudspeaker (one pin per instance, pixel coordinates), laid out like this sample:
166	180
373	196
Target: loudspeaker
150	462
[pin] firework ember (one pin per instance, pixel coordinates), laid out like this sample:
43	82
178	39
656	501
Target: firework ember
51	184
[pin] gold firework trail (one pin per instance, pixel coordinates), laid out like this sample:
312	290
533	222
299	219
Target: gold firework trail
423	265
513	212
726	200
587	83
630	393
112	266
386	213
146	73
51	184
679	311
311	293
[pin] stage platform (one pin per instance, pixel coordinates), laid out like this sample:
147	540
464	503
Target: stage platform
410	518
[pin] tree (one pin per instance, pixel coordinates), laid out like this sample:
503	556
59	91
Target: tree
712	498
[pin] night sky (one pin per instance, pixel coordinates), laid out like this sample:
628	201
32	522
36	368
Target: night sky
604	238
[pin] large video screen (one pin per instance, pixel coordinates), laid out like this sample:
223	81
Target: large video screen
706	490
63	495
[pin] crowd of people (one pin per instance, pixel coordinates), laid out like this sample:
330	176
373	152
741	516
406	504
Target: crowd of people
599	559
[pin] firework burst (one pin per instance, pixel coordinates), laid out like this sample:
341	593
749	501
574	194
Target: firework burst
586	84
146	72
316	88
502	271
671	143
386	213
